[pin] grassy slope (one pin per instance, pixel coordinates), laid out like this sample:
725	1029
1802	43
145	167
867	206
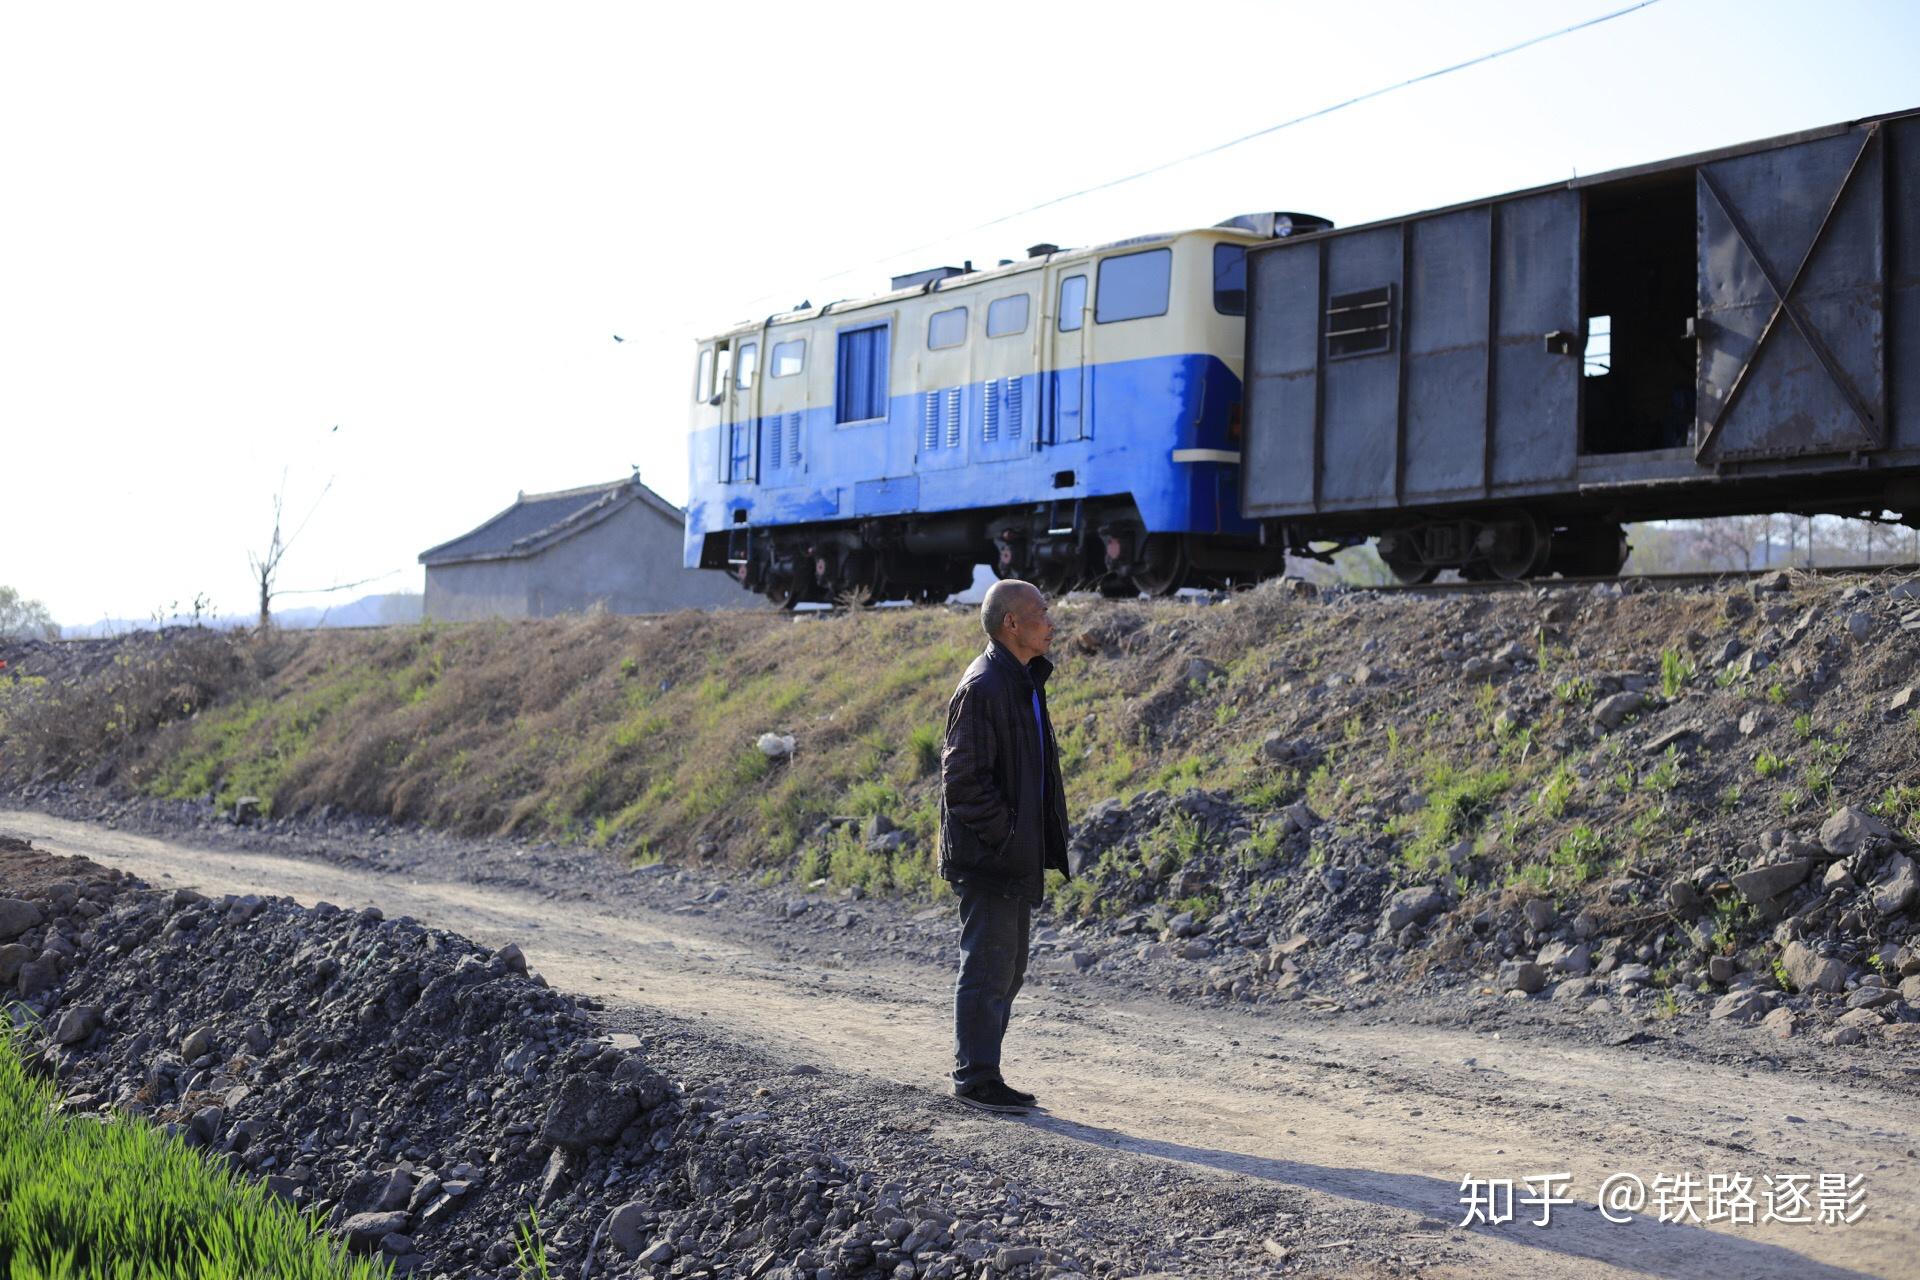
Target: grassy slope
639	735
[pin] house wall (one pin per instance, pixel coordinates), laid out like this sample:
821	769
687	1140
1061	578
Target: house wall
630	560
477	589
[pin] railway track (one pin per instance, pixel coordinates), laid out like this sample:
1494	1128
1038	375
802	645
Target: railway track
1642	581
1626	581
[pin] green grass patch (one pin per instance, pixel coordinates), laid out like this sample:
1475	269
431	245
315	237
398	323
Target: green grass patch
82	1197
1458	800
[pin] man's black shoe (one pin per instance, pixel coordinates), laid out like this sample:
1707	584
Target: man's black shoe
993	1096
1024	1098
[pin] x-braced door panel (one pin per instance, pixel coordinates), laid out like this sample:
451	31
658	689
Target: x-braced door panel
1792	269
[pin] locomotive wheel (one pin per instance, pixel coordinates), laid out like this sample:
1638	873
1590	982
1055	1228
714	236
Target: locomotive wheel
1161	568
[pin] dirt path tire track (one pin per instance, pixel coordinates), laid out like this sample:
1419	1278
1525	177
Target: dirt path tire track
1384	1118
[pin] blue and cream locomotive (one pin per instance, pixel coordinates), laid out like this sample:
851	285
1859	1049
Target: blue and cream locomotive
1072	418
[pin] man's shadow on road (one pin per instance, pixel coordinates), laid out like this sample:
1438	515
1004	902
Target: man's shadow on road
1645	1245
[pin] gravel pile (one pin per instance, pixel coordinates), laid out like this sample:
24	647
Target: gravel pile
422	1094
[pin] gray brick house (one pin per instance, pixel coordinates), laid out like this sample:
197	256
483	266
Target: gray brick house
553	553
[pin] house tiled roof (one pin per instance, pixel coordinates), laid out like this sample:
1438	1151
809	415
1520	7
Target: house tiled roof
538	520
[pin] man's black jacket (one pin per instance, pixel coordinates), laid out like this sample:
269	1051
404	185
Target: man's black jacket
996	831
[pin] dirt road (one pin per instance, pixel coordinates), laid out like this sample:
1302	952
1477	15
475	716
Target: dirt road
1384	1119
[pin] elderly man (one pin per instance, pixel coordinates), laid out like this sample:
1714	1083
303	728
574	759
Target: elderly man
1003	822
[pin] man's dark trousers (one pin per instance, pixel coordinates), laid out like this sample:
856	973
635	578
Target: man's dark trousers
993	964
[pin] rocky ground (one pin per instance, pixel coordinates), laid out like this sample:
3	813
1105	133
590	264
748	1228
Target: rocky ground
421	1094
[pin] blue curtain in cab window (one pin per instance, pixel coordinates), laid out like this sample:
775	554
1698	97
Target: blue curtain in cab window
860	387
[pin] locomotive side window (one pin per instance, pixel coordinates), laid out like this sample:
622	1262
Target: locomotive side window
722	370
1230	279
1360	324
1133	286
1007	316
748	365
703	376
1073	303
788	358
947	328
860	378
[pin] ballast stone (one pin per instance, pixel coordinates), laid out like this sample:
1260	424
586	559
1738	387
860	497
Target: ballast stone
1849	829
16	917
1413	906
1810	971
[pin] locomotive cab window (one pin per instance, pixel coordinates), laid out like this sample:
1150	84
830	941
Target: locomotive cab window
860	376
1360	324
747	366
1133	286
1007	316
788	358
1230	279
946	329
1073	303
703	376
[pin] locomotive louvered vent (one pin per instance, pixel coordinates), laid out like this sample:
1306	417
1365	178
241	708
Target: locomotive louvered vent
930	421
793	440
1360	324
990	420
774	456
1013	408
953	418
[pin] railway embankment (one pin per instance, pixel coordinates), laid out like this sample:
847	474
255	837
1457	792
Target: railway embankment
1643	804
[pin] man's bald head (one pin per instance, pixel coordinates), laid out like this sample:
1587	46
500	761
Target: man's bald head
1002	599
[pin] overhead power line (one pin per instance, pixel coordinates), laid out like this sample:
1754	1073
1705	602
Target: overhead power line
1217	148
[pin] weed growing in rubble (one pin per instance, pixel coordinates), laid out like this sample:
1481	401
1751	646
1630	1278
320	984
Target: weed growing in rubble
1578	853
1457	801
1767	764
1675	672
1665	776
87	1197
1900	806
1556	791
530	1254
1578	690
1729	916
1730	797
1780	978
1777	693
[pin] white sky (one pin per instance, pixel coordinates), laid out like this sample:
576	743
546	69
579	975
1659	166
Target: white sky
226	229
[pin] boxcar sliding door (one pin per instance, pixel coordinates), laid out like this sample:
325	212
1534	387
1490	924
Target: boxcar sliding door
1792	247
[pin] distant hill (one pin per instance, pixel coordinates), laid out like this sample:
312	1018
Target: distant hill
398	607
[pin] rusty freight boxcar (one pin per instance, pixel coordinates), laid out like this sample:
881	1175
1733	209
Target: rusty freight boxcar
1496	387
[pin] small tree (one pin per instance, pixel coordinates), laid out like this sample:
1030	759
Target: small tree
266	565
24	619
